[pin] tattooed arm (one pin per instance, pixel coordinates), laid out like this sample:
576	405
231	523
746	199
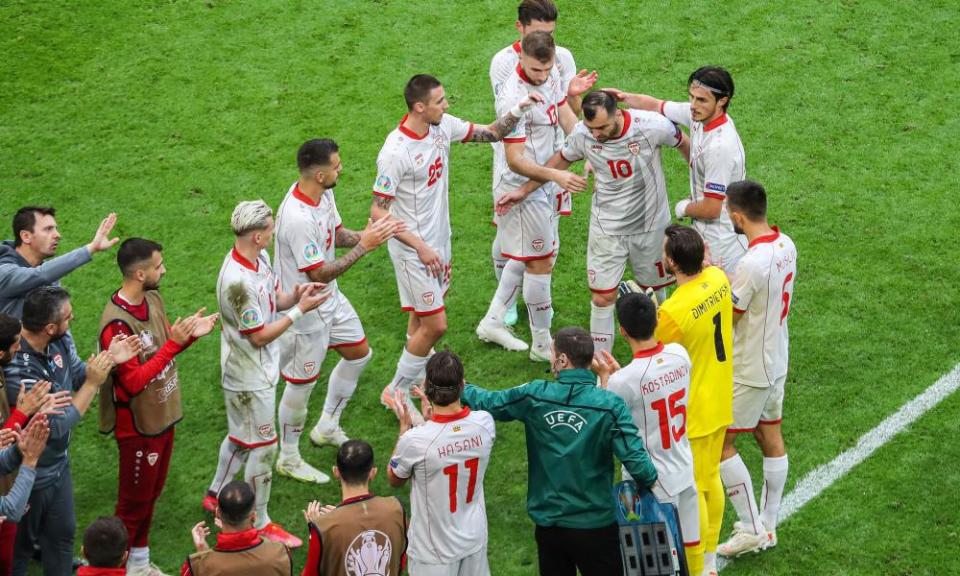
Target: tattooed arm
505	124
346	238
376	233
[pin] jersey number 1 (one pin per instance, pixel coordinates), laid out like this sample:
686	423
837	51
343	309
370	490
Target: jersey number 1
453	471
667	413
718	338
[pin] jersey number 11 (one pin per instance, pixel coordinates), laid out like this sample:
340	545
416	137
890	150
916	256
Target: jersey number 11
453	471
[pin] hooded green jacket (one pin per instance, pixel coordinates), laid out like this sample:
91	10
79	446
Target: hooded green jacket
573	430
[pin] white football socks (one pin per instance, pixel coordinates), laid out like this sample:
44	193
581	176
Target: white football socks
511	278
340	388
258	474
138	557
602	327
739	488
409	371
293	416
774	481
231	458
536	293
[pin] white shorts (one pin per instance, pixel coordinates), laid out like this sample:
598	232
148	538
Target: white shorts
473	565
250	417
753	405
607	257
529	231
420	291
725	253
688	508
301	355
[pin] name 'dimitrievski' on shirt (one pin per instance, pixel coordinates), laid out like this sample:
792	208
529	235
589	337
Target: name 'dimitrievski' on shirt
710	301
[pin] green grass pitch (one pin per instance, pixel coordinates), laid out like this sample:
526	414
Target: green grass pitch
169	113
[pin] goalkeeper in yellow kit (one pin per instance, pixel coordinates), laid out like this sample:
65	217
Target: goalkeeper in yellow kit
699	315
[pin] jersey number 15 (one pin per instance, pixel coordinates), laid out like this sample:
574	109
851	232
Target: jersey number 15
667	412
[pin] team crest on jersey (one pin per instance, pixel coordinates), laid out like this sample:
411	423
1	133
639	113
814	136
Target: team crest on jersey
438	142
427	297
566	418
418	160
309	367
250	318
537	244
592	275
311	252
265	431
369	554
633	147
457	428
383	184
58	360
152	458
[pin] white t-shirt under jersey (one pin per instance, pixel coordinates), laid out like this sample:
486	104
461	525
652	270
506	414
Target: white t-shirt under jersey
762	291
305	240
630	191
414	171
247	296
446	457
656	388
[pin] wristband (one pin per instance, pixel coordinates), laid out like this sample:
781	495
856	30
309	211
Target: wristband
295	314
681	208
518	111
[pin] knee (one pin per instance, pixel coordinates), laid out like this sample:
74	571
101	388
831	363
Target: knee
541	266
435	327
603	300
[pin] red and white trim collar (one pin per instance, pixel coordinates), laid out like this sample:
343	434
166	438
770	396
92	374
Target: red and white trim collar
299	195
516	47
650	351
719	121
408	132
627	119
237	256
445	418
523	75
765	238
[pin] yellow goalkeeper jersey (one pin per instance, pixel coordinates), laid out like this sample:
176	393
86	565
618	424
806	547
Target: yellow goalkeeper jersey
699	315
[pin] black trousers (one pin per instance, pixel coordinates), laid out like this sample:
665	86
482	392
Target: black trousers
592	551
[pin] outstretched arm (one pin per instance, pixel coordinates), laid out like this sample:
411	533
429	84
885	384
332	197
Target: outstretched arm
375	234
504	124
510	199
638	101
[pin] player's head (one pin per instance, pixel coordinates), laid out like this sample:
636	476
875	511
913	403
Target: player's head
9	338
637	315
537	55
425	98
35	229
319	161
355	463
710	89
536	16
47	310
746	202
253	219
682	250
601	116
444	382
235	505
141	260
105	543
572	348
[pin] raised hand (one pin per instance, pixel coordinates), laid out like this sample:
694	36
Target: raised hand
529	102
431	260
182	328
30	402
33	440
199	534
426	408
582	82
101	240
204	324
379	231
99	367
124	347
315	511
7	437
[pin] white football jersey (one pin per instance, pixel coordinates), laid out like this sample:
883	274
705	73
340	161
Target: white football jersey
537	130
630	191
247	296
762	291
656	387
447	457
716	161
305	240
415	172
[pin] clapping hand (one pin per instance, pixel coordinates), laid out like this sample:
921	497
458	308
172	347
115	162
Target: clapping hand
204	324
200	533
604	364
124	347
33	440
426	408
99	367
315	511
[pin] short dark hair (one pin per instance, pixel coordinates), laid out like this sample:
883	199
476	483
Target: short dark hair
542	10
717	79
316	152
9	329
235	502
26	218
576	343
540	45
354	461
104	542
685	247
749	198
444	378
42	306
596	100
637	315
418	89
135	251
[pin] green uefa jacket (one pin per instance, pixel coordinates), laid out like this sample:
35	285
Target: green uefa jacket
573	430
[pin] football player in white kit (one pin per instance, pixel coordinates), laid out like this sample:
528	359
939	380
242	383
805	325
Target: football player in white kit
412	184
309	231
630	208
762	296
655	385
249	297
528	233
716	159
446	459
532	15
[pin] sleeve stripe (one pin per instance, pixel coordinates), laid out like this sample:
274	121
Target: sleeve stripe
515	140
469	134
565	159
248	331
714	195
739	311
380	194
311	267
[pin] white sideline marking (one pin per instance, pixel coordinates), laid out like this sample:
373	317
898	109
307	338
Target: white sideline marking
821	477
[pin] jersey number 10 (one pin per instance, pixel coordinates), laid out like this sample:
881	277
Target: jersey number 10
453	471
